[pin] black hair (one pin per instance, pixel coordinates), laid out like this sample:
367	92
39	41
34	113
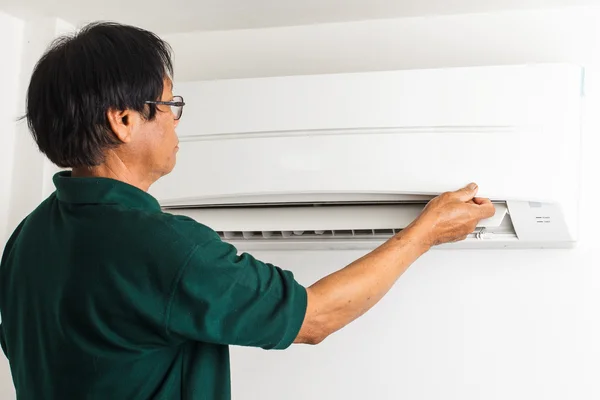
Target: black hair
81	77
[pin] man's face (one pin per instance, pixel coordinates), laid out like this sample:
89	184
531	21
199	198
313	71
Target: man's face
156	141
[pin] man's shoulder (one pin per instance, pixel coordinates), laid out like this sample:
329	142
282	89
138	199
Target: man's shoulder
163	239
180	226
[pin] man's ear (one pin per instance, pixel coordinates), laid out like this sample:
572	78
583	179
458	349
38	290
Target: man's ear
122	123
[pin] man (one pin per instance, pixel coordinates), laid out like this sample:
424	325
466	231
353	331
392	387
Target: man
104	296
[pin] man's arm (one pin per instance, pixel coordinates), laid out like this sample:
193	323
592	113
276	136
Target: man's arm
340	298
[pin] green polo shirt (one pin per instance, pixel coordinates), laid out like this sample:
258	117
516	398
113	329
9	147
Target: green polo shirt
104	296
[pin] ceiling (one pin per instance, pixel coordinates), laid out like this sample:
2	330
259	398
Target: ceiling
192	15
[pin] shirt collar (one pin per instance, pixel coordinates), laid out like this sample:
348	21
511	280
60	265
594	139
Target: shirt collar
101	191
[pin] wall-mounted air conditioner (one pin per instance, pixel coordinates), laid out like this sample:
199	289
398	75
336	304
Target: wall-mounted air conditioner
344	161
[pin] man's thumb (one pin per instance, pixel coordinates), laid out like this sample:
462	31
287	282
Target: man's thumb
468	192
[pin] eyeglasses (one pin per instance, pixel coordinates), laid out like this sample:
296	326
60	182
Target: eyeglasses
176	105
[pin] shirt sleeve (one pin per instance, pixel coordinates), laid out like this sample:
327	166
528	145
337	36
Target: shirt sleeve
224	298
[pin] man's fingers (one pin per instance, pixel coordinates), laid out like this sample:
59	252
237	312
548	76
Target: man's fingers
487	209
481	200
467	193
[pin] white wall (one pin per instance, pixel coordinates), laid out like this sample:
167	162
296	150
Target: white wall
470	325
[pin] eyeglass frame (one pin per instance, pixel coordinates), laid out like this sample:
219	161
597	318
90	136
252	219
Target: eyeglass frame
170	103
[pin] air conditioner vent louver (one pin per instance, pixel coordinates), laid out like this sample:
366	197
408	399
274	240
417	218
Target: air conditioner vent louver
307	235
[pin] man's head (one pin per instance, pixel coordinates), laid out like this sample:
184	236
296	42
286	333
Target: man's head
92	101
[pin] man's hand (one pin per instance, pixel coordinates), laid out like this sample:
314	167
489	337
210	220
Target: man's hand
450	217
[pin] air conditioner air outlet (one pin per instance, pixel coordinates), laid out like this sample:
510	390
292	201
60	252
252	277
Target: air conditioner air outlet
328	222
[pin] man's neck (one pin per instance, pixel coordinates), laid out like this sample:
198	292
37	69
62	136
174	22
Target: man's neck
115	169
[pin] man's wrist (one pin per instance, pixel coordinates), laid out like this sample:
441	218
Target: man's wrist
418	236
